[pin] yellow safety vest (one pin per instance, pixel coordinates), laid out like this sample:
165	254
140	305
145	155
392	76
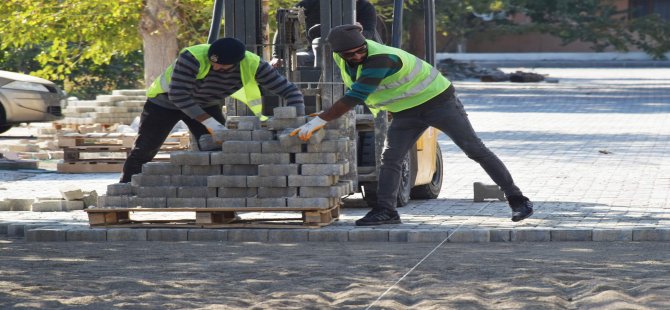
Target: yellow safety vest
250	93
415	83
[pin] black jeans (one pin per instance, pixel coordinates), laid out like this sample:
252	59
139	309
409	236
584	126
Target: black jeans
155	125
446	113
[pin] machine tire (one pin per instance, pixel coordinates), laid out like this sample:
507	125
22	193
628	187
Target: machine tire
370	189
432	189
5	128
366	145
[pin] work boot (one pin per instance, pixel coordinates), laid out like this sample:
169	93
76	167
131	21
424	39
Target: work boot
379	217
522	208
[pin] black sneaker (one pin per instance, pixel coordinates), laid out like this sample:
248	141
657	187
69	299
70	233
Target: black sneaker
379	217
522	208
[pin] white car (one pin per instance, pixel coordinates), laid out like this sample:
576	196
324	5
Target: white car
28	99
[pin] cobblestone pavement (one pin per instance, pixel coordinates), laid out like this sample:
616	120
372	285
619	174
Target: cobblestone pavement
590	151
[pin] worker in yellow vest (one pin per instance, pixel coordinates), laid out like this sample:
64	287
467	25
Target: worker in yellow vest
192	89
418	96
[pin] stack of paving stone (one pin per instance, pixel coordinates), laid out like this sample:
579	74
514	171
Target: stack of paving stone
121	107
73	198
256	167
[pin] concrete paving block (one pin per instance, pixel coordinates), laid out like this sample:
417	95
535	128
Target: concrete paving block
72	205
220	158
316	158
328	235
288	235
270	158
500	235
277	192
87	234
20	204
242	122
271	181
192	192
266	202
113	201
285	123
208	235
487	191
287	140
4	206
317	137
47	206
332	134
227	181
167	234
201	170
278	147
47	234
157	191
651	234
368	235
187	202
237	192
148	202
188	180
241	147
600	235
90	199
398	235
284	112
330	146
126	234
312	180
159	168
3	227
299	202
239	169
433	236
71	193
226	202
323	169
190	158
119	189
248	235
18	229
262	135
234	135
531	235
277	170
321	191
572	235
469	236
149	180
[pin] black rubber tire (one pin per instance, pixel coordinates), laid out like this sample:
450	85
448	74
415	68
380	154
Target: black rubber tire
370	189
432	189
5	128
366	147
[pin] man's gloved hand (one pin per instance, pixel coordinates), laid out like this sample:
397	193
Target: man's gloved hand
306	131
213	125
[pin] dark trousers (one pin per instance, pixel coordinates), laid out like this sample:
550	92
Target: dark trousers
155	125
446	113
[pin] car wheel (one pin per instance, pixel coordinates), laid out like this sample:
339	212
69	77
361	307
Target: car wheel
370	189
5	128
432	189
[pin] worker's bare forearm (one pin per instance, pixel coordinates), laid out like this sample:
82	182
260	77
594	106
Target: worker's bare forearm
338	109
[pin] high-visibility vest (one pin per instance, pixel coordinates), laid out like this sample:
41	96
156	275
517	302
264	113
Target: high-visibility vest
415	83
250	93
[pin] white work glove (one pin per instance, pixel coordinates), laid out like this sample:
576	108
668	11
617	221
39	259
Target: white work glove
213	125
306	131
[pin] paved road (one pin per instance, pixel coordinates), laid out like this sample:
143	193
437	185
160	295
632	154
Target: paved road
590	151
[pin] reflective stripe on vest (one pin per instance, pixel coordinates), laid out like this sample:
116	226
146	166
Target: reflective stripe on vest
415	83
250	93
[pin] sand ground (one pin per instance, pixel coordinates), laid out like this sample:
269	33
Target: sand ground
168	275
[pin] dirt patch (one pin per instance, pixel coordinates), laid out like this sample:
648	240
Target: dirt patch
150	275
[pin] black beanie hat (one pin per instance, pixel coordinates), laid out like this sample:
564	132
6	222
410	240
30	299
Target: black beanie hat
345	37
226	51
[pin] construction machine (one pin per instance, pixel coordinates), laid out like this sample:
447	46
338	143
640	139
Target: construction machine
319	79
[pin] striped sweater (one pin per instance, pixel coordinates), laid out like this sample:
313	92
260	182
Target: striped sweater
191	95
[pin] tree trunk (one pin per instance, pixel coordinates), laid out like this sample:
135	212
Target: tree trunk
158	27
417	35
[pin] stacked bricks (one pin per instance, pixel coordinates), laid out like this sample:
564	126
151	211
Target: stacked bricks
259	165
121	107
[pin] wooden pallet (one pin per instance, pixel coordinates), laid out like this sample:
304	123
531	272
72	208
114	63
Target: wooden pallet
90	166
214	218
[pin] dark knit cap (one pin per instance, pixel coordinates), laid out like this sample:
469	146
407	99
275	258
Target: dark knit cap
226	51
345	37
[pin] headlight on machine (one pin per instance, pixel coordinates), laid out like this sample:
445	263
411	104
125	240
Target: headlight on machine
20	85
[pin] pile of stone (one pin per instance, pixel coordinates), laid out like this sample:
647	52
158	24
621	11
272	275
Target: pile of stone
71	199
458	70
121	107
256	167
